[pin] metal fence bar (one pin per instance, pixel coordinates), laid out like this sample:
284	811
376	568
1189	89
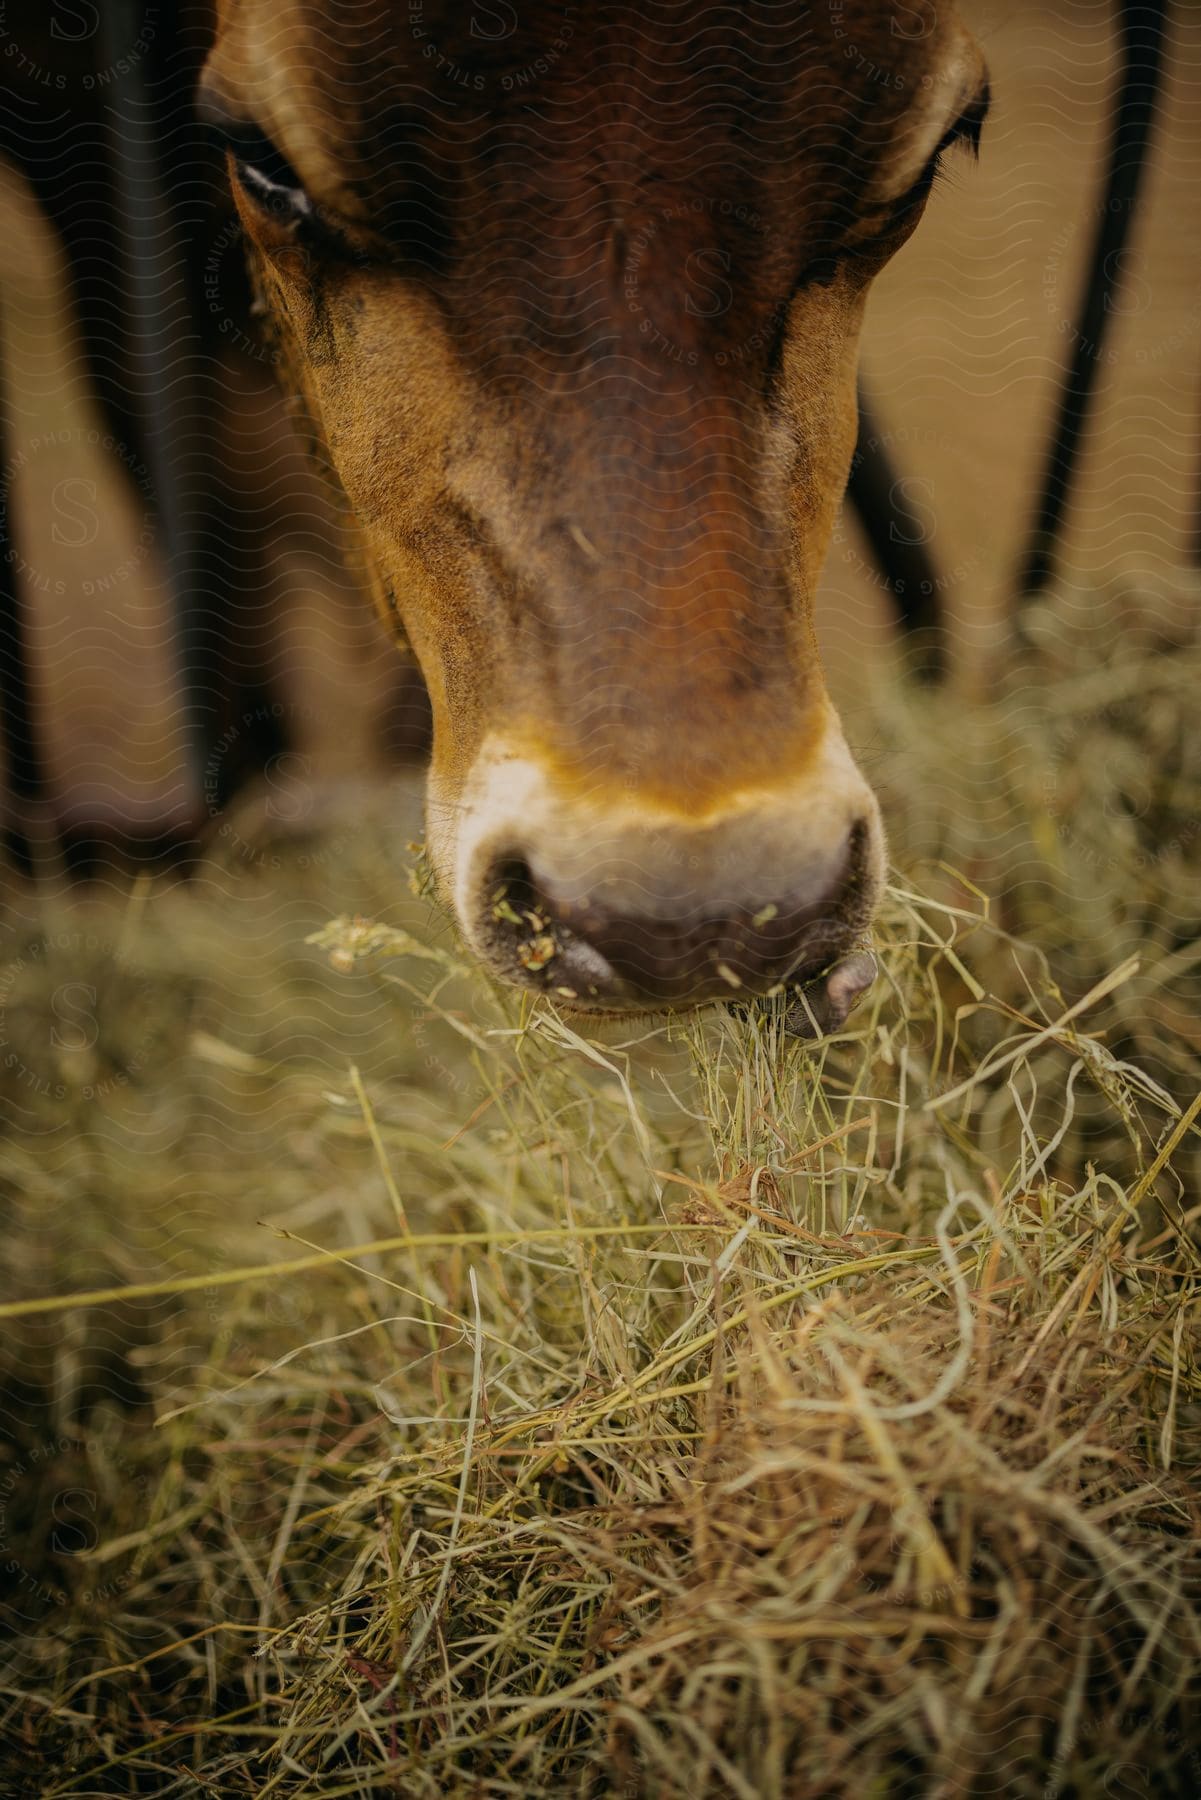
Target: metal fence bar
162	342
1142	27
25	773
906	563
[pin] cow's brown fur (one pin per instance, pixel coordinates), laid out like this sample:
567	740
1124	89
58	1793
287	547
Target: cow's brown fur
585	365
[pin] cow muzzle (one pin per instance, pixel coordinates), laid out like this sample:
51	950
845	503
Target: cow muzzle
628	905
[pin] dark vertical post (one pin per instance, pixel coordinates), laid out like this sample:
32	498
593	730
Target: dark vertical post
26	776
1142	26
905	563
162	337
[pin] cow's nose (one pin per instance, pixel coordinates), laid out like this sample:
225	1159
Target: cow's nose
626	937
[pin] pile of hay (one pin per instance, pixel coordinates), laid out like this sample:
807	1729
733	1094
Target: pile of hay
1071	797
703	1413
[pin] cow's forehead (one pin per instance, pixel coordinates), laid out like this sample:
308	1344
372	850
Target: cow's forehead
356	94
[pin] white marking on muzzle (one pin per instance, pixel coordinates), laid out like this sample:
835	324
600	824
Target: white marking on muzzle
783	843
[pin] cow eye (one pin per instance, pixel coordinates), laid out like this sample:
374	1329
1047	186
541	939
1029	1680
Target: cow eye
891	224
266	174
970	123
263	170
966	131
270	183
284	199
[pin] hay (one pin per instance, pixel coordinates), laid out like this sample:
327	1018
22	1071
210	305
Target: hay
704	1413
1072	798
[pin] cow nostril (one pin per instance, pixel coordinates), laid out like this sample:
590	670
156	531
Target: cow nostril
533	931
518	912
598	952
511	886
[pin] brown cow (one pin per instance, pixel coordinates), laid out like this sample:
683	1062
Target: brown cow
573	294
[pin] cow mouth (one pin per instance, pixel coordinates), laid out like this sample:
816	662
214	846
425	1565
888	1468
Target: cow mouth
594	959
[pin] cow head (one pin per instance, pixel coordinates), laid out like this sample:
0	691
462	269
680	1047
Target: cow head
573	295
